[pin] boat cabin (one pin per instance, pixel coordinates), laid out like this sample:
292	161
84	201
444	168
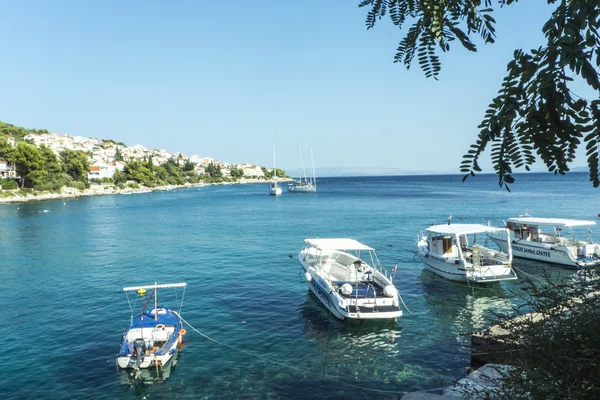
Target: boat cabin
554	231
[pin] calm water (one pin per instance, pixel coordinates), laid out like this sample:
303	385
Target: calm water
63	264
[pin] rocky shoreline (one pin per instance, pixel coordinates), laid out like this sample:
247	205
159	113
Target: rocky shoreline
102	190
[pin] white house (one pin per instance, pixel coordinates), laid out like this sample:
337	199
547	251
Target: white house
7	170
101	170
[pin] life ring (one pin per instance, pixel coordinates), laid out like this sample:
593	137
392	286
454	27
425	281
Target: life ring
160	327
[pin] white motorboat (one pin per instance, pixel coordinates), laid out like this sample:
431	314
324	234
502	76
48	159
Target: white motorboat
550	240
274	188
304	184
152	337
455	252
348	286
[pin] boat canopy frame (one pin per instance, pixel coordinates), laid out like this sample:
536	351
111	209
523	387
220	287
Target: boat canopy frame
345	245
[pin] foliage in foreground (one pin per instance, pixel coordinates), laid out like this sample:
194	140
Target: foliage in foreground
557	356
536	113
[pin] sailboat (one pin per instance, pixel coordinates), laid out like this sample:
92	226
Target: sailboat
304	185
274	188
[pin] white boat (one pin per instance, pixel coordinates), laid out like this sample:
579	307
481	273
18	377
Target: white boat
348	286
152	337
274	188
455	252
550	240
304	184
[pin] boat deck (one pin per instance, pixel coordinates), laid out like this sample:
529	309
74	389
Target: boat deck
363	290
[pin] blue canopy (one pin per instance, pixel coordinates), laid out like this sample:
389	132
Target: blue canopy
147	320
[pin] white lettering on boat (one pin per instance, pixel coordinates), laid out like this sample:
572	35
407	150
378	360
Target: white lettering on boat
525	250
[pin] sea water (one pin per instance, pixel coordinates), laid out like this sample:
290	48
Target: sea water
64	264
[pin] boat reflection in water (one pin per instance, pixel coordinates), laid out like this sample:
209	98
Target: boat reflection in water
463	308
349	337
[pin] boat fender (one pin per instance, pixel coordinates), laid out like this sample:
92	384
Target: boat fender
346	289
182	332
308	277
389	291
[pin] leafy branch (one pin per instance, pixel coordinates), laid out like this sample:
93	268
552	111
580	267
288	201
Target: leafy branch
535	114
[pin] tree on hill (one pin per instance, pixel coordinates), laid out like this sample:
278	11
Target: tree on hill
268	173
29	165
214	171
17	132
118	155
75	164
51	163
6	150
535	114
236	173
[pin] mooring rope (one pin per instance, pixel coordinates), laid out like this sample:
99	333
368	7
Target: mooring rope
296	368
529	275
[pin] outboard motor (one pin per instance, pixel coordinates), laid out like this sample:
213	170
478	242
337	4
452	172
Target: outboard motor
140	350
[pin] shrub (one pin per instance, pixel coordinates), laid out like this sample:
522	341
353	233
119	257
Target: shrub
9	184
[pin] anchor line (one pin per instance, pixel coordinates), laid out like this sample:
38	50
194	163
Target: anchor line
529	275
295	368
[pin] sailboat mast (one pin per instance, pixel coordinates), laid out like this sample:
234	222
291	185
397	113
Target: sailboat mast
302	165
274	165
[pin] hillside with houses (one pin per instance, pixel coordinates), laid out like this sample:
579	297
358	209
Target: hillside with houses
48	161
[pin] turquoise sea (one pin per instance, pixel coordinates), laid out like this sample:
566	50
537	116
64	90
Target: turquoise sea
64	263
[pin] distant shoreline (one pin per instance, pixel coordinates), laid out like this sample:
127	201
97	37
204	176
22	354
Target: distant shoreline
103	190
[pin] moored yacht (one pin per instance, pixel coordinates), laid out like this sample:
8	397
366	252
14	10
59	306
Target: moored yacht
455	252
304	184
347	285
550	240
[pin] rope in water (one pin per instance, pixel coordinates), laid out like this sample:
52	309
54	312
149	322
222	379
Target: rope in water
529	275
292	367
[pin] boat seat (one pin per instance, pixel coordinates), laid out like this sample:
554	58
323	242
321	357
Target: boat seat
160	335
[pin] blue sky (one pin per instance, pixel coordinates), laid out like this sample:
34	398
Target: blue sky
219	79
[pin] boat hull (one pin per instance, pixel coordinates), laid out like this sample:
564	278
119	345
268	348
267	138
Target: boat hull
455	270
275	191
301	188
544	252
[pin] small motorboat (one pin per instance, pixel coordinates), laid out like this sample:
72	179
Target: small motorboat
455	252
152	338
550	240
348	286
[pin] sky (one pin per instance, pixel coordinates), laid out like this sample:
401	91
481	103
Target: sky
224	79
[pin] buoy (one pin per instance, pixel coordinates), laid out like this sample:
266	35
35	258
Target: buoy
65	203
182	332
141	292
